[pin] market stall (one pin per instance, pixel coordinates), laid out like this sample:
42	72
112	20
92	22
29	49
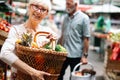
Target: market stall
4	29
112	57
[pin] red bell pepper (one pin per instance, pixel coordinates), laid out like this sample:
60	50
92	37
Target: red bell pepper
115	51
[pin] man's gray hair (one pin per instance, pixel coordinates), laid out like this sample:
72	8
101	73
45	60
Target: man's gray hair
77	1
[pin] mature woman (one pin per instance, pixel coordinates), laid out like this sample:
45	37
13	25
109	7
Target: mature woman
37	10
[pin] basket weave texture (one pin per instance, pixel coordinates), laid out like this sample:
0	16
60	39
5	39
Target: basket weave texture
41	59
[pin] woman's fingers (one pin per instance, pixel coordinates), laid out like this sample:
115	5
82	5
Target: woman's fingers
39	78
50	36
39	75
45	73
42	79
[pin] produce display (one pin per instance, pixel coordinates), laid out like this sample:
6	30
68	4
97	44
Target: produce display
115	37
115	45
4	29
4	25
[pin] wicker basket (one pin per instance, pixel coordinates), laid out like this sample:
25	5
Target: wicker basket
41	59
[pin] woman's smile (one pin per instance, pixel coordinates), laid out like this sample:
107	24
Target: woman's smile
37	16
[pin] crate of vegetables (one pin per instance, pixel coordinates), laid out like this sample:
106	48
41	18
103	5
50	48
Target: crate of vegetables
3	35
42	58
112	75
113	53
4	29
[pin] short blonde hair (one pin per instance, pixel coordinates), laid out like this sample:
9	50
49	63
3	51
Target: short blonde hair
44	2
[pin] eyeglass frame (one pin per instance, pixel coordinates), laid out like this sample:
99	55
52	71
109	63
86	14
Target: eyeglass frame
36	8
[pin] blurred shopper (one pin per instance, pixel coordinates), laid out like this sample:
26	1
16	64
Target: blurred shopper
38	9
99	28
75	36
100	24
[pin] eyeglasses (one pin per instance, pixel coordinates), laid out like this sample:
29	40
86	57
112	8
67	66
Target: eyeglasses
39	8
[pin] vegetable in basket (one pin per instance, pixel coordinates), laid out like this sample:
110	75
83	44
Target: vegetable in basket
47	46
60	48
26	40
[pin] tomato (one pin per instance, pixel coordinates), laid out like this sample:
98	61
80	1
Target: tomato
6	29
1	27
4	25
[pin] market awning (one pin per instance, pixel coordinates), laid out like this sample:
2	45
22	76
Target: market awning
84	7
106	8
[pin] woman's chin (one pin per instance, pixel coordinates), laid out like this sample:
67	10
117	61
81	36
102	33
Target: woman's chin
36	18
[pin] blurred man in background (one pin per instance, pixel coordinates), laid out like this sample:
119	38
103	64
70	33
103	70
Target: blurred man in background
75	36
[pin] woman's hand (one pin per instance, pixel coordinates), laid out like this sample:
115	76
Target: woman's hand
39	75
51	37
23	67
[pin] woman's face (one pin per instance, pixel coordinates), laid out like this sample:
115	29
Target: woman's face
37	12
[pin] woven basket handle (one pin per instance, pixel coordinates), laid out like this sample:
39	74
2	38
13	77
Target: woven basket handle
52	41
